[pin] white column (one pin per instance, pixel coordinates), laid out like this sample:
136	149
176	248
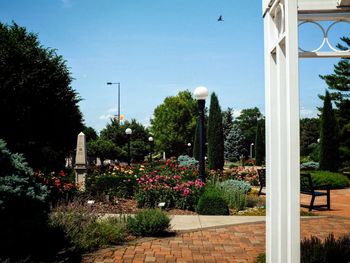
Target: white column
282	137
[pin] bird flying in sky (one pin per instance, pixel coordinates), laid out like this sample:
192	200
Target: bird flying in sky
220	18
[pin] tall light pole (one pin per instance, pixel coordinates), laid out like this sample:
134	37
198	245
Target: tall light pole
118	83
150	139
128	133
251	150
201	93
189	148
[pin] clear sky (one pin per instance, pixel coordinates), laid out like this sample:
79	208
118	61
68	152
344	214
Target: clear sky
156	48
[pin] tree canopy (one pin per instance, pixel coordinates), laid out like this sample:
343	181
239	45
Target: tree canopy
38	107
174	122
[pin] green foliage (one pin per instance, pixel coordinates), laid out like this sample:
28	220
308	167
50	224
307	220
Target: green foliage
247	123
87	231
212	202
215	135
148	222
336	180
236	184
309	166
260	142
38	104
104	149
119	186
173	124
313	250
234	144
227	122
329	144
186	161
234	192
339	86
261	258
114	133
309	134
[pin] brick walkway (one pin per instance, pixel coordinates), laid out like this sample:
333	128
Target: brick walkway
239	243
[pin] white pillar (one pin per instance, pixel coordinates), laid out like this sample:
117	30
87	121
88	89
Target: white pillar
282	132
80	162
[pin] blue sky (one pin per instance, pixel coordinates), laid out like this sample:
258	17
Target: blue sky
156	48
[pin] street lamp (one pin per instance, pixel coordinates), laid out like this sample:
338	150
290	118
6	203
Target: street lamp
128	132
251	150
118	83
150	139
201	93
189	148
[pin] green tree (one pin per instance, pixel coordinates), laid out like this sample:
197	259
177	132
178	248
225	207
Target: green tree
39	108
329	146
104	149
115	133
339	87
90	133
233	144
247	122
173	124
260	142
309	134
227	121
215	135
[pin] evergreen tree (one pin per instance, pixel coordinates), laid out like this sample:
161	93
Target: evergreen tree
227	122
215	135
339	86
260	142
329	146
234	144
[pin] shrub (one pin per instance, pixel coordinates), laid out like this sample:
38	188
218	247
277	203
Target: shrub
336	180
309	166
23	207
313	250
186	161
87	231
212	202
148	222
241	185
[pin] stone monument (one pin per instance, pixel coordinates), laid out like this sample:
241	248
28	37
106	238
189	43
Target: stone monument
80	162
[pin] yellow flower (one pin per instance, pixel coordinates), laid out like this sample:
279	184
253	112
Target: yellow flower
141	169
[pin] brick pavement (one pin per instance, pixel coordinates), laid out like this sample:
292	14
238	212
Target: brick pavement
239	243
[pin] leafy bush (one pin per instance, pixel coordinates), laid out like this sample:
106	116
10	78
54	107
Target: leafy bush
313	250
212	202
336	180
236	184
309	166
186	161
87	231
23	207
120	186
148	222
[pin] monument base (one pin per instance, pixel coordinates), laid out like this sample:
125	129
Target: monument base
80	175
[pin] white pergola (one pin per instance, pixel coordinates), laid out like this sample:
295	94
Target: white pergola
281	21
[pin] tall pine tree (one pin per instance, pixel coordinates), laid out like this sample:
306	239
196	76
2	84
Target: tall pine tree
329	146
339	86
234	144
215	135
260	142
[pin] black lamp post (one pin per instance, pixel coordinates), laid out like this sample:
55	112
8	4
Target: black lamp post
189	148
150	139
128	132
201	93
118	83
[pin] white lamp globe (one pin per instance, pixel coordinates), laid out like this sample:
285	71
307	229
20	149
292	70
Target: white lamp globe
201	93
150	139
128	131
189	144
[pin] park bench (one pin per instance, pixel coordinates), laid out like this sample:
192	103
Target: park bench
307	187
262	179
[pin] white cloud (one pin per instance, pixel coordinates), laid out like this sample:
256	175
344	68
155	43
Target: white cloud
236	113
105	116
111	110
308	113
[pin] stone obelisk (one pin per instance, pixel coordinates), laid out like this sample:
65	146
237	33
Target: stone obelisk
80	162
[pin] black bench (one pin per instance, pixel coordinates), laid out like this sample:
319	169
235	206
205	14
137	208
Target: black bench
307	187
262	179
